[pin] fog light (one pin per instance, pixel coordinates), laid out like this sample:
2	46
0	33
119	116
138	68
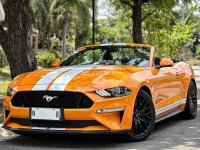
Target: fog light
109	110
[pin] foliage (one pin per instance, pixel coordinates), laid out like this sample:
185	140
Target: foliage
182	34
55	43
82	24
3	60
113	30
4	80
167	25
51	15
46	58
43	17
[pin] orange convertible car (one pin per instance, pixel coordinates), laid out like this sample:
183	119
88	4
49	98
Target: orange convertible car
107	88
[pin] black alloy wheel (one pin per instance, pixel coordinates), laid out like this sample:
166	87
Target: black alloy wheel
143	117
190	111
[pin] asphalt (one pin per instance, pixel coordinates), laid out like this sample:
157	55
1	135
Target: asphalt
173	133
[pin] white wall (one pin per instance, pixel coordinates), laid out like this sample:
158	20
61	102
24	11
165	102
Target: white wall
2	13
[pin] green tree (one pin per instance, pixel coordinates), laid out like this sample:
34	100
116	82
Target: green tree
43	11
138	15
15	40
82	23
64	13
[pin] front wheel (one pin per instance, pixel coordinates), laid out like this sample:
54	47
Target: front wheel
143	117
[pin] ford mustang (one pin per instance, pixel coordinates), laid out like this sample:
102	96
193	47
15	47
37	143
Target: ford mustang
105	88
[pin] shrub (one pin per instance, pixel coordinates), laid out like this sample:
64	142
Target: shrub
55	43
46	58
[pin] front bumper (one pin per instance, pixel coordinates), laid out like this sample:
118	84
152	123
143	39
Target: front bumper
48	131
108	122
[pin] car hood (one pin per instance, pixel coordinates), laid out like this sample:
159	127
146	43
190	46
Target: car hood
92	76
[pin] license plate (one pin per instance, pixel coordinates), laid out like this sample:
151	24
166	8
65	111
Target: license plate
45	114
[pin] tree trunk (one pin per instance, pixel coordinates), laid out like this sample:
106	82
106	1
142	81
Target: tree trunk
64	38
80	38
48	35
15	41
43	35
137	21
65	17
77	39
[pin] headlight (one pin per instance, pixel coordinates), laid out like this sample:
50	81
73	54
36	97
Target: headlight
114	92
10	91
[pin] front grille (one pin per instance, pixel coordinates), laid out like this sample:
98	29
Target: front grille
62	99
55	124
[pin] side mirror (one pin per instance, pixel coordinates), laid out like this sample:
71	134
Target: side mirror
166	62
56	63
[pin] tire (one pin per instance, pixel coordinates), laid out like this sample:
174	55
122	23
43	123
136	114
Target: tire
190	111
143	120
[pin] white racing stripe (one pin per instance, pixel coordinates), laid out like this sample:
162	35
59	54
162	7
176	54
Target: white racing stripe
60	83
43	83
171	106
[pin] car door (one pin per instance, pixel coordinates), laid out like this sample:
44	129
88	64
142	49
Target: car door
169	90
178	78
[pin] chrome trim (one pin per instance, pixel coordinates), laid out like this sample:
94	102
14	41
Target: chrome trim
109	110
170	106
169	115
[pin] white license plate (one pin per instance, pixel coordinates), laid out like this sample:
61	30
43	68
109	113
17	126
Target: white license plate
45	114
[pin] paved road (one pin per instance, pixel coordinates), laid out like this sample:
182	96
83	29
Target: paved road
170	134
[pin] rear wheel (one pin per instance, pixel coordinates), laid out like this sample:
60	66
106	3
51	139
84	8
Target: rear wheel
190	111
143	117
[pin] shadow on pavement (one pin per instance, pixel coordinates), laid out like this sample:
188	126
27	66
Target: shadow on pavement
172	133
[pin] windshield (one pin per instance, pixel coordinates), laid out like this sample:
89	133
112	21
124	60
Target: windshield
111	55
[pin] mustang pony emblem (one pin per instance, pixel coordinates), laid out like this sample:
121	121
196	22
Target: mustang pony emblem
49	98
